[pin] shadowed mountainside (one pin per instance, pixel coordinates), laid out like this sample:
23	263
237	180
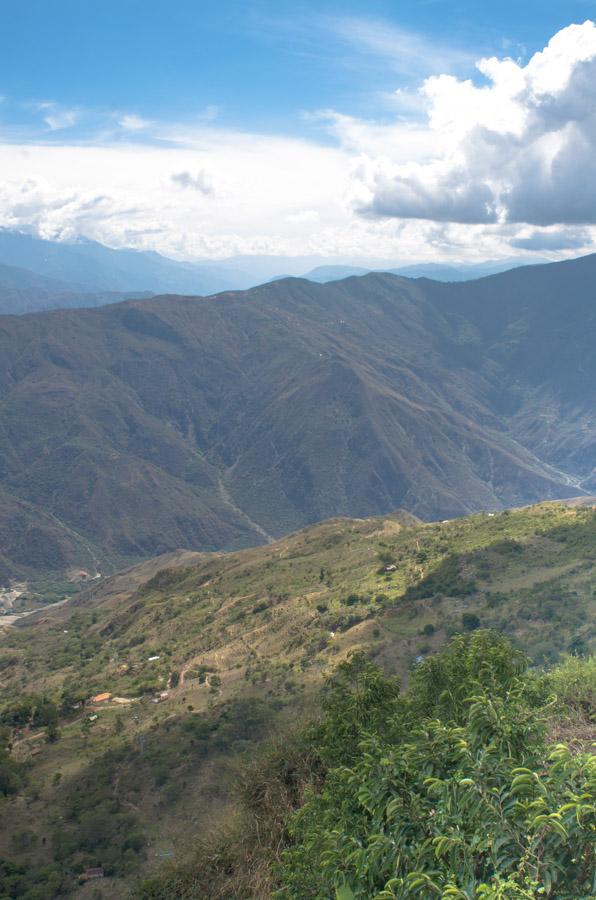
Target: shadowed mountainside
218	422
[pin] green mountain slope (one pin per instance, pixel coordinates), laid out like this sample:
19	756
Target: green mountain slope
242	642
217	423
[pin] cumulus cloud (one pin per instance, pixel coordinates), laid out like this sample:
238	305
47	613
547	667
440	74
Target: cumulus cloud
518	148
260	181
201	182
400	141
35	206
463	171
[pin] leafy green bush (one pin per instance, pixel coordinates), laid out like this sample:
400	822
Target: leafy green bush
449	792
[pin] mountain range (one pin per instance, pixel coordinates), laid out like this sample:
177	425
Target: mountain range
140	427
43	274
436	271
38	274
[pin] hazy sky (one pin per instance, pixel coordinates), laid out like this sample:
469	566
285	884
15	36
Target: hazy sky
407	130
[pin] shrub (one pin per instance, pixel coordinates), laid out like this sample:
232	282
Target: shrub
574	683
470	621
466	800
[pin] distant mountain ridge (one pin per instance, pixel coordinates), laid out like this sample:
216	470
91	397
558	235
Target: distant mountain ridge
23	291
38	274
435	271
93	267
17	278
136	428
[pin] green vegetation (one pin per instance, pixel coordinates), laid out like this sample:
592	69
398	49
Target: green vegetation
12	776
451	791
240	645
454	789
574	683
99	813
30	884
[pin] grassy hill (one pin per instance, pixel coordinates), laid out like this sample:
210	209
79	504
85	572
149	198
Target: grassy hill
242	643
223	422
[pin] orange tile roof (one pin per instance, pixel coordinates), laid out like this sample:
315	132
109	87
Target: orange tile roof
99	698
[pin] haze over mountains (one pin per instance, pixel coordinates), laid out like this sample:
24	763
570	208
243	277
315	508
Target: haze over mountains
89	270
139	427
38	274
436	271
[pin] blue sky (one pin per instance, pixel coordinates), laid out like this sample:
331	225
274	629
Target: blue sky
260	63
204	100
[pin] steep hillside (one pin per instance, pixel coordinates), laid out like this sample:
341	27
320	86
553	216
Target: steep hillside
537	324
220	422
241	642
33	541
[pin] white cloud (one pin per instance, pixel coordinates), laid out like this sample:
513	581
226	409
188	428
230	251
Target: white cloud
305	215
260	179
57	119
132	122
508	162
520	148
400	141
201	182
403	50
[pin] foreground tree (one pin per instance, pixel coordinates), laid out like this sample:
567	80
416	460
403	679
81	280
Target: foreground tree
450	792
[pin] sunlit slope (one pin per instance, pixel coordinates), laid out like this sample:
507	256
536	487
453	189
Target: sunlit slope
241	643
295	604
